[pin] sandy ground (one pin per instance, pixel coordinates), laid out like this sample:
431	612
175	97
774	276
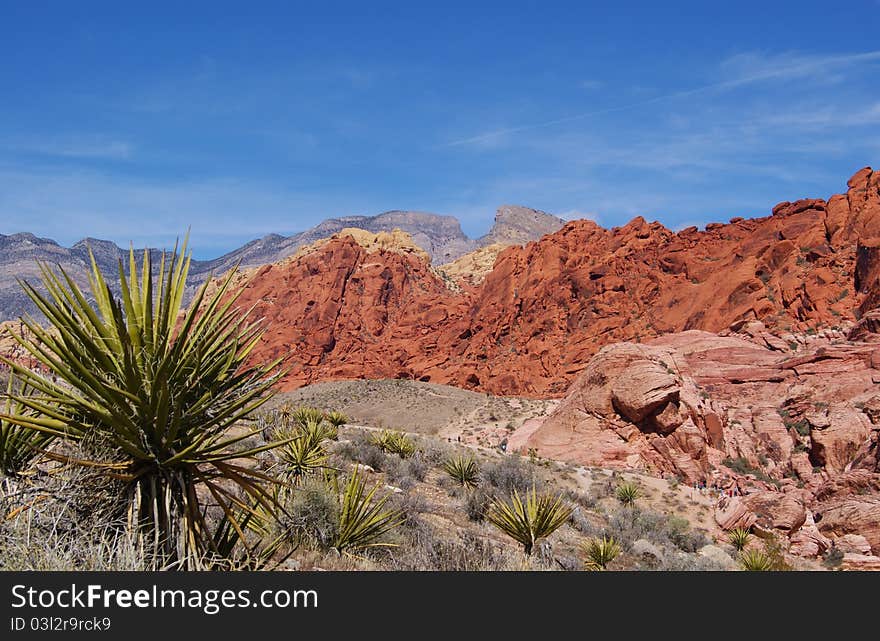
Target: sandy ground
422	408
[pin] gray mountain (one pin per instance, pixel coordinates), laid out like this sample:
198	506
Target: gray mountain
515	225
440	236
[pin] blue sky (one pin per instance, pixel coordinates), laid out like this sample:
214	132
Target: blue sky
241	119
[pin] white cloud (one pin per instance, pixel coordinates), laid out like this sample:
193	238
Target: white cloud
737	71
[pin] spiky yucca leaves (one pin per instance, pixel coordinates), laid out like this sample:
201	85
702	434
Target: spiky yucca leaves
303	415
157	388
304	452
755	561
302	455
527	522
463	470
362	520
599	553
394	443
326	431
336	419
627	493
19	445
739	538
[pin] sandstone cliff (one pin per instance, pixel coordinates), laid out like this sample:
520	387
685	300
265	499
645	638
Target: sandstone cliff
547	307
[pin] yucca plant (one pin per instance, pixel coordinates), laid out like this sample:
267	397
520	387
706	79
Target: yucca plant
363	521
158	388
302	454
19	445
322	429
394	443
755	561
463	470
336	419
303	415
529	521
599	553
627	493
739	538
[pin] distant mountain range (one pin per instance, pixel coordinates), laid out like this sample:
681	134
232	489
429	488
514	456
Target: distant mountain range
441	236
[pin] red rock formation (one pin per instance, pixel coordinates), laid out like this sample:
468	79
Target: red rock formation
546	308
798	435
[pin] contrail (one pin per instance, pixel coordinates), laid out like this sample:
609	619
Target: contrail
727	84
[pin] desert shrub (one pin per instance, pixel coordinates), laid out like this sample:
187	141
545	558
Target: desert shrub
465	552
631	524
678	531
833	558
476	502
602	488
435	452
411	506
313	512
674	561
773	548
740	465
581	522
398	472
417	466
585	499
360	450
63	521
528	521
510	474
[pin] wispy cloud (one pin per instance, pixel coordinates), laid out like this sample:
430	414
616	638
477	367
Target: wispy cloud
77	147
591	85
742	69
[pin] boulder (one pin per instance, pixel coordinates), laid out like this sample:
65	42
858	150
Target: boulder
642	389
732	513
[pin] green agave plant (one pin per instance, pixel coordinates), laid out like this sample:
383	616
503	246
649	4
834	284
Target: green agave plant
463	470
627	493
362	520
161	389
527	522
19	445
600	552
739	538
755	561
